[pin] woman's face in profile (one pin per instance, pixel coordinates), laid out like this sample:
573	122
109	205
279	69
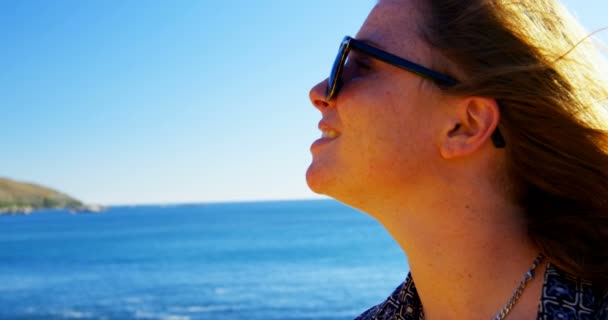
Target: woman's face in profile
378	129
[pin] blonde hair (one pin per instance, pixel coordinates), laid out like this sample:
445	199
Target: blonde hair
552	86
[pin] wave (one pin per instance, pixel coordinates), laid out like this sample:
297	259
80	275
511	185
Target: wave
158	316
203	309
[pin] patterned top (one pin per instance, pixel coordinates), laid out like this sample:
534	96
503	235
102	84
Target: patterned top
563	297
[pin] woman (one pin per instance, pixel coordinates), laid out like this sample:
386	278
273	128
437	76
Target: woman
473	131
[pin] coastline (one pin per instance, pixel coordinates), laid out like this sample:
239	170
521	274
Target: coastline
27	210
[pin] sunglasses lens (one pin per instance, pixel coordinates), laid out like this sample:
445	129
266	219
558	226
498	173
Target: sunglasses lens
334	81
333	78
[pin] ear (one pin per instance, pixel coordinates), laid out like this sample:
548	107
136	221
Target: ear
469	126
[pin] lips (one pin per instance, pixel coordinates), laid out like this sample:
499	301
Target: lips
328	135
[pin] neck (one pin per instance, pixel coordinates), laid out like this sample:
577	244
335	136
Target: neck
467	257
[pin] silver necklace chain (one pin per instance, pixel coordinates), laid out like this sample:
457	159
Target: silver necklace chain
520	289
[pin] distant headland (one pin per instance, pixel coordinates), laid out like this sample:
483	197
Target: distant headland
23	198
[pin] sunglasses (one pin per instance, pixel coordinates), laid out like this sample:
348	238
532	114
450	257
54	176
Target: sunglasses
335	77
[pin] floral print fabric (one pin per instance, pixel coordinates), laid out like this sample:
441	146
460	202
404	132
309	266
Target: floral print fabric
564	297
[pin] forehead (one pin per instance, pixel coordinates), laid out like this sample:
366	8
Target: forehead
394	25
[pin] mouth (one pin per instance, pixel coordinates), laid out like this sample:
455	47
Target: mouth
329	133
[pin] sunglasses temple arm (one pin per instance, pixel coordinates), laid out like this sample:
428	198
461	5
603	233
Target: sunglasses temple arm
498	140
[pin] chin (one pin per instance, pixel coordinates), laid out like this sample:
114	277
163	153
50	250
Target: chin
318	179
324	180
312	180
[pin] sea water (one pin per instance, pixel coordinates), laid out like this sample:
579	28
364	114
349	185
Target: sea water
266	260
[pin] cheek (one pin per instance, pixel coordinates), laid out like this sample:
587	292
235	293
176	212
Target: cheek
392	136
391	123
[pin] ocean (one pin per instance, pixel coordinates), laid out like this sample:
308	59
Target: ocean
288	260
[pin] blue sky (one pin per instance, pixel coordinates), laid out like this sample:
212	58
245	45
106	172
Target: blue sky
127	102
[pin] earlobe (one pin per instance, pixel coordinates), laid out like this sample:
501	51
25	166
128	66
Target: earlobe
469	127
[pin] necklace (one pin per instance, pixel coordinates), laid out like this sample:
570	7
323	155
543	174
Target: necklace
528	276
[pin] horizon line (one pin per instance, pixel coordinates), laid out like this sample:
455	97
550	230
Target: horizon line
203	202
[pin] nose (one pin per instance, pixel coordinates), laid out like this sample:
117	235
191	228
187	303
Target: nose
317	96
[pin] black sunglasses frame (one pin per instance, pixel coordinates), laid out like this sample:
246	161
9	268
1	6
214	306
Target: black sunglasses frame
348	43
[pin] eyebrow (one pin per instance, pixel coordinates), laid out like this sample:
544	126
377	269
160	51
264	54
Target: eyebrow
372	43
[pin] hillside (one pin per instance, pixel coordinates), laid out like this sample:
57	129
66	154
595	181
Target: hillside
23	197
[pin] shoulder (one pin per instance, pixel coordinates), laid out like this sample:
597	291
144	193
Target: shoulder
602	313
565	296
403	303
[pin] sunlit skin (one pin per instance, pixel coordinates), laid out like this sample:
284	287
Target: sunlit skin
421	162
